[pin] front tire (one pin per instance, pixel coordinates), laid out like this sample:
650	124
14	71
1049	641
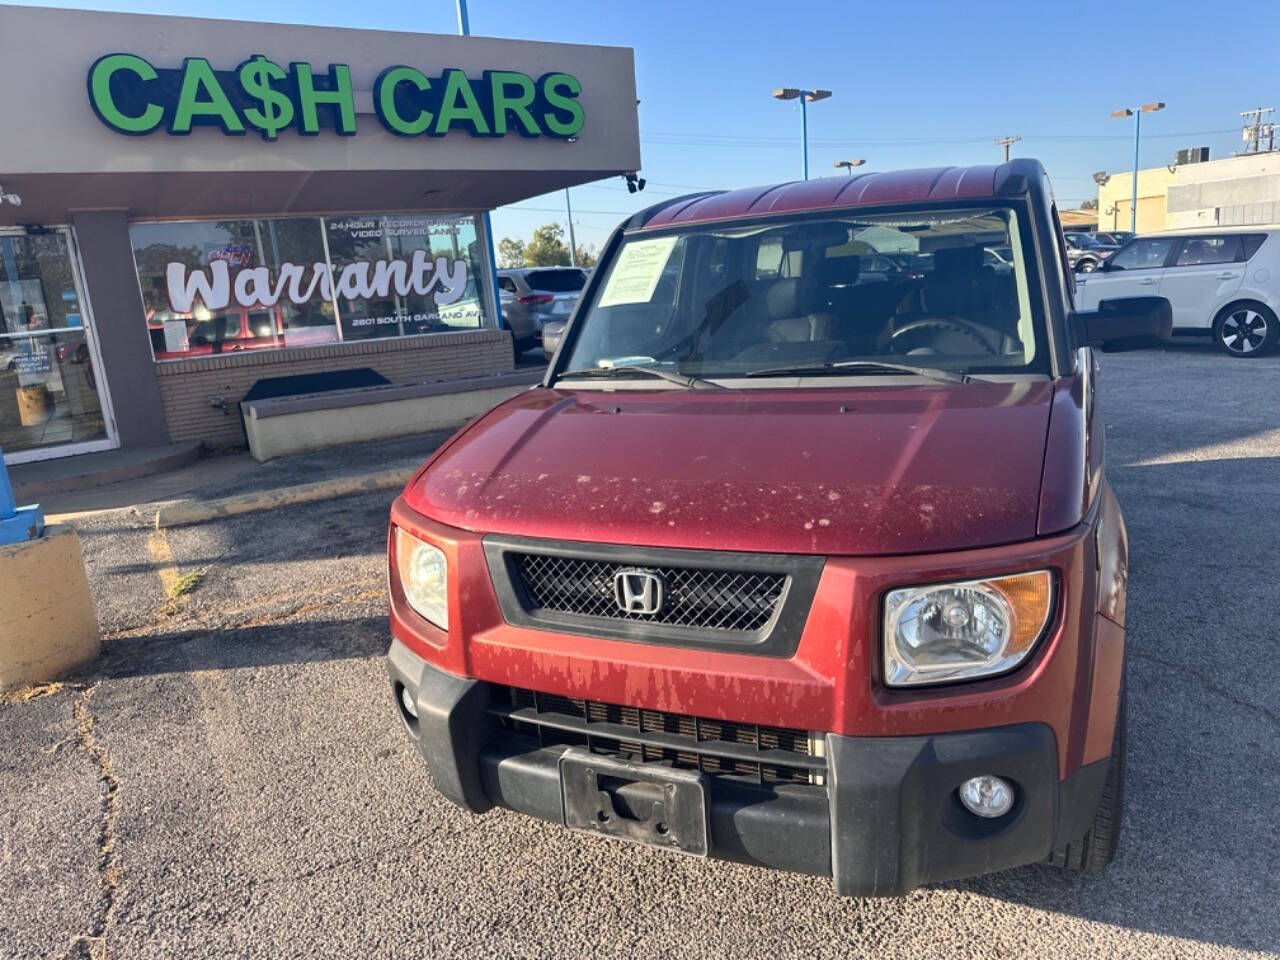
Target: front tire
1247	329
1097	848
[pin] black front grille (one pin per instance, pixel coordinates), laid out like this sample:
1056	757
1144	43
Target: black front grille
740	601
744	752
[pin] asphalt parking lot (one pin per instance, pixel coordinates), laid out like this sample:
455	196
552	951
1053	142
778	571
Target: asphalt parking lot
231	779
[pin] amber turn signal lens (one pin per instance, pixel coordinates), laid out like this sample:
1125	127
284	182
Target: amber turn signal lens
1031	597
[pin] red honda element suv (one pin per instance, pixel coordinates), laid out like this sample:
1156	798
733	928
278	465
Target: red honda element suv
802	554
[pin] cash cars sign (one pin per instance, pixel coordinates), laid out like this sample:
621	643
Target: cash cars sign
133	97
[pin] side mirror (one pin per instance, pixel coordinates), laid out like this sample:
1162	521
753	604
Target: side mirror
553	333
1125	323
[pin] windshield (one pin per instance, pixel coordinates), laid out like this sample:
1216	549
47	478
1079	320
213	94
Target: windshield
948	290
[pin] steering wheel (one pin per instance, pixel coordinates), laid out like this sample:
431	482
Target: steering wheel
934	332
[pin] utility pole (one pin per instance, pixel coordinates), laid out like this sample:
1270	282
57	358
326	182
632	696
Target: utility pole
573	247
1006	142
1257	130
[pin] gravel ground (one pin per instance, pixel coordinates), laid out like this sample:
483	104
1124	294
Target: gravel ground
231	780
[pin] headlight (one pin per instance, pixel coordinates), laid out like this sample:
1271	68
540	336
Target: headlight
959	631
424	577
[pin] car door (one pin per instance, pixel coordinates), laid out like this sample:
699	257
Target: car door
1205	274
1135	270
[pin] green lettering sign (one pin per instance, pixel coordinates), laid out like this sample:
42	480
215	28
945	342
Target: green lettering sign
561	90
202	100
338	96
272	110
459	104
516	101
104	70
384	101
131	96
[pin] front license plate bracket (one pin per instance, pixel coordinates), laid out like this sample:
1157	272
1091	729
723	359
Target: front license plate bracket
645	803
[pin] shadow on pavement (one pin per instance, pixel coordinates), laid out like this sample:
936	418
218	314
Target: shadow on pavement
1201	824
262	645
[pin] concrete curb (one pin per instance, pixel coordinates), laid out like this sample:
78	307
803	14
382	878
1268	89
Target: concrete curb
185	512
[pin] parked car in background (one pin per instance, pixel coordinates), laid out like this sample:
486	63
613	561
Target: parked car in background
532	296
1114	238
1223	282
1085	253
788	565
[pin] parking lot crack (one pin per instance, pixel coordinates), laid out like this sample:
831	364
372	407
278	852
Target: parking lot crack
93	944
1215	688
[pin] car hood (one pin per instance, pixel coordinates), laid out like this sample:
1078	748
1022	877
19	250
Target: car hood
867	470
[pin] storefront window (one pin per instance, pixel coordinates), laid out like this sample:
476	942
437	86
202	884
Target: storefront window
408	275
219	286
48	385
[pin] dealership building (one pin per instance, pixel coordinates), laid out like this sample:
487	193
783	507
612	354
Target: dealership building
191	208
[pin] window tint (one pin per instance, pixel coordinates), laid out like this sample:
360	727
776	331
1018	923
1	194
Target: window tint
1142	254
1251	242
1202	250
556	281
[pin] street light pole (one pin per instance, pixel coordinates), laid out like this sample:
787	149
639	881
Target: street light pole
1137	133
464	29
573	246
805	97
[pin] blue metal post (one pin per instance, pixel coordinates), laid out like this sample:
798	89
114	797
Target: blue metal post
464	29
16	523
1133	213
804	134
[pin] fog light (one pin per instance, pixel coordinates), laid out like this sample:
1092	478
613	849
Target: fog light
987	796
406	698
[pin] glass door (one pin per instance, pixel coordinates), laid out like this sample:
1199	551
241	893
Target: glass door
51	392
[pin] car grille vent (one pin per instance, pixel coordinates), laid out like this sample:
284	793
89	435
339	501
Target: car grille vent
742	752
730	601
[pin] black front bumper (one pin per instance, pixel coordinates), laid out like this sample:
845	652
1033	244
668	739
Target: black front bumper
887	819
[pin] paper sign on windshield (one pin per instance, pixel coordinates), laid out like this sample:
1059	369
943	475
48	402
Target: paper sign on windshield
637	270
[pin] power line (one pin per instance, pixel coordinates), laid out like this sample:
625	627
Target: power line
728	140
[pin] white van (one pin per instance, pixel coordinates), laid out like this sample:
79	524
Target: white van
1223	281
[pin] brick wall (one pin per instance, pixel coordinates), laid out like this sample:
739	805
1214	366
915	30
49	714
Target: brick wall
188	387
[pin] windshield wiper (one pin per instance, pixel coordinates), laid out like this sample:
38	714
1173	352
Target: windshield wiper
864	366
598	373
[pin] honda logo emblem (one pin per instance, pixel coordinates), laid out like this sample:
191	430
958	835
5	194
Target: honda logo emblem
639	591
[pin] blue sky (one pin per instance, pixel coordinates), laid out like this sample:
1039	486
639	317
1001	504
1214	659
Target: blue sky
915	83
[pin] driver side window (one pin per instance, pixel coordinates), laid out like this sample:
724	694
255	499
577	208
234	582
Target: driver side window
1146	254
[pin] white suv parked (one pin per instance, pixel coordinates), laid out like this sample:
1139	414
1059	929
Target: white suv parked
1225	282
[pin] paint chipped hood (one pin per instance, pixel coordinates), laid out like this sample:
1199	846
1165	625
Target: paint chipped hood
904	469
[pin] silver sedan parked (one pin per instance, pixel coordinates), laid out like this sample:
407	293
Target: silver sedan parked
534	296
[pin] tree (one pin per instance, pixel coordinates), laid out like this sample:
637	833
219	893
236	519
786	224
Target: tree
511	252
547	248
